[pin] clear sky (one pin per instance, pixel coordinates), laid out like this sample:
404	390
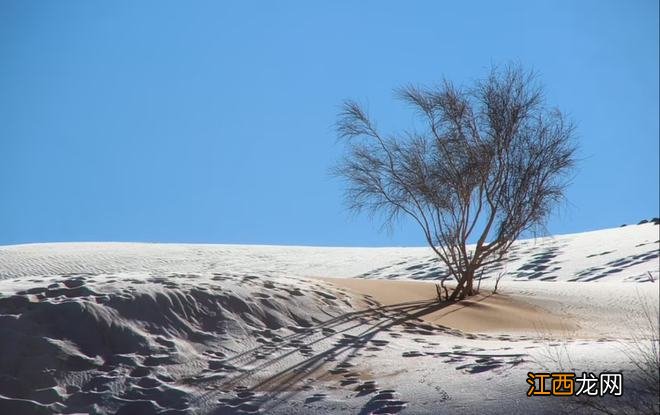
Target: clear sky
195	121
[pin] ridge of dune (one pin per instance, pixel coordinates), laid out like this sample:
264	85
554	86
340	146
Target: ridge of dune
616	253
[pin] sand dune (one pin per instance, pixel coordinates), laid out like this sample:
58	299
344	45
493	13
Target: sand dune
482	313
175	329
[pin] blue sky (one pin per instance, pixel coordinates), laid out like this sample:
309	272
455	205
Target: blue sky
213	121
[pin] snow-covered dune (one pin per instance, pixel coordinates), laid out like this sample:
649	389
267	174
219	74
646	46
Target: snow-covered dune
133	328
619	254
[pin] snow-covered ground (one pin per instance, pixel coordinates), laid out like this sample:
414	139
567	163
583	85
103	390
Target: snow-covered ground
129	328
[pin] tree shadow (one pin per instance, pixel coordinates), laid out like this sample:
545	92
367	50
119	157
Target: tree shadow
285	383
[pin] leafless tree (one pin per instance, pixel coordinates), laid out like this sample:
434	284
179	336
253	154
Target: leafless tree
488	163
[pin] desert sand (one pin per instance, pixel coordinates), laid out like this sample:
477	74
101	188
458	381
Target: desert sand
128	328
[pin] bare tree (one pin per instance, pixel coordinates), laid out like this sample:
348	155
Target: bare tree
489	163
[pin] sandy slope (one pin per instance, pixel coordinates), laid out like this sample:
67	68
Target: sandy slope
164	328
483	313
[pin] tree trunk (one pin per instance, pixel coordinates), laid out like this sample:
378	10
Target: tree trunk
465	286
468	290
457	290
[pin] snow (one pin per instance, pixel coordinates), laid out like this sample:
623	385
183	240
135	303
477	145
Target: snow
110	328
